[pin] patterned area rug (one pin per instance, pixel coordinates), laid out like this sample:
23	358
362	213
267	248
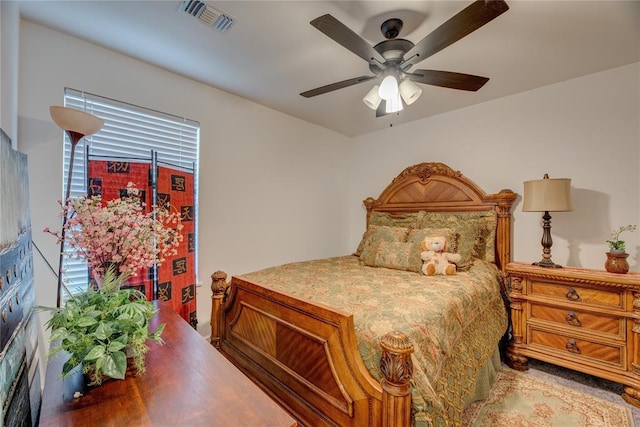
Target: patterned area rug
524	401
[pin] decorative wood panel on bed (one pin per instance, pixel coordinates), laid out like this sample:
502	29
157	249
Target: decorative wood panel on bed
293	330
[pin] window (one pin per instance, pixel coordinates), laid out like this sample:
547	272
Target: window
131	132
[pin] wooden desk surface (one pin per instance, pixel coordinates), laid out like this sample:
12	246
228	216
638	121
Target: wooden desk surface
187	383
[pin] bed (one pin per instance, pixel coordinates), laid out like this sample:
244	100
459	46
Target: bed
366	339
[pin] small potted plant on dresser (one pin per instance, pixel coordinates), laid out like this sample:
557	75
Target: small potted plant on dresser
617	257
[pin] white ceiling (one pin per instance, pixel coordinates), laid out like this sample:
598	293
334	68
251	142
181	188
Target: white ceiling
272	53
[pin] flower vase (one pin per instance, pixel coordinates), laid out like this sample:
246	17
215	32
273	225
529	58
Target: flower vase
98	275
96	280
617	263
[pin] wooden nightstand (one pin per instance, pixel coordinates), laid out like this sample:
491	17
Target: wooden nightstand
586	320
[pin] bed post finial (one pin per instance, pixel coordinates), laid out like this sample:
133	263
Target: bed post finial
218	289
397	368
504	200
368	203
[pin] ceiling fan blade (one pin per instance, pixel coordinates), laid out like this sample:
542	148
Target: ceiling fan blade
449	79
344	36
335	86
465	22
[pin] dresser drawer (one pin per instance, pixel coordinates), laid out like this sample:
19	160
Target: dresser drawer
582	320
578	348
572	293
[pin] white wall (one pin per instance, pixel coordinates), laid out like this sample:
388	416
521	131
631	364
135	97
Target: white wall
270	184
586	129
9	30
276	189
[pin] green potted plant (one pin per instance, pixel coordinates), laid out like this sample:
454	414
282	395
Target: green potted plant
617	257
615	244
102	328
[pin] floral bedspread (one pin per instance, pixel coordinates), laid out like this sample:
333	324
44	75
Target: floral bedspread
455	322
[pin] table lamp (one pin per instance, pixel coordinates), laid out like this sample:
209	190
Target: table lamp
547	195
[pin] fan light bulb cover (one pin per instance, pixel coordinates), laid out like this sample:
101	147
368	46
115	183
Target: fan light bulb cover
394	104
388	88
410	91
372	99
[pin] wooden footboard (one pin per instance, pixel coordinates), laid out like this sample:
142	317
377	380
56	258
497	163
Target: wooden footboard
306	358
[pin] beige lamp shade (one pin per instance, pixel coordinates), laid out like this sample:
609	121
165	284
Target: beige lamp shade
547	195
73	120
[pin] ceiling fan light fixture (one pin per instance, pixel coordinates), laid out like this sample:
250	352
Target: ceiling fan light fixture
389	88
392	58
372	98
410	91
394	105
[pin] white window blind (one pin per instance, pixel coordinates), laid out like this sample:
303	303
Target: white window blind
132	132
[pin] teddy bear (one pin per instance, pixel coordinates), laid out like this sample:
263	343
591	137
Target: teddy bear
436	259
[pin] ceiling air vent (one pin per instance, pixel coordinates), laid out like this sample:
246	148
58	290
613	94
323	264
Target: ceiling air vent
208	14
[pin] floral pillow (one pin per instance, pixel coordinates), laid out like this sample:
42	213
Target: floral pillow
408	220
396	255
401	255
485	243
475	232
465	250
417	235
382	232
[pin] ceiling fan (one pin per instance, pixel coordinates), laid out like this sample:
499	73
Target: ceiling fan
395	56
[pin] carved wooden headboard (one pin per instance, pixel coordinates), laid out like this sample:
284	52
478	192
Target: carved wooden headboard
435	187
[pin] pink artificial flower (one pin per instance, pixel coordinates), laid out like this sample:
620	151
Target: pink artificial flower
120	233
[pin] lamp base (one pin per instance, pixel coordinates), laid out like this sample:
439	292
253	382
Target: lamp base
546	263
546	242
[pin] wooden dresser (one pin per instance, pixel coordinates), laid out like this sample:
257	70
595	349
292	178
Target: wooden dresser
187	383
586	320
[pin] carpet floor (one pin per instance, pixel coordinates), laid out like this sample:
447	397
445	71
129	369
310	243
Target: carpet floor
547	395
588	384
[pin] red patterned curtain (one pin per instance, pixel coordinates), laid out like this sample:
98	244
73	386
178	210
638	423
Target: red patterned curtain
177	275
174	281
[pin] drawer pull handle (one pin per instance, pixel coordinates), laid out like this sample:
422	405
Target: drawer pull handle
572	295
572	319
572	347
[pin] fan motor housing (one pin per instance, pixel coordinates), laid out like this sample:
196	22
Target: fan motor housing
391	28
393	50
